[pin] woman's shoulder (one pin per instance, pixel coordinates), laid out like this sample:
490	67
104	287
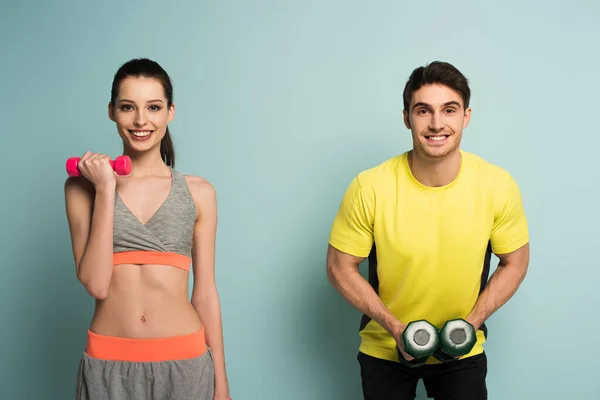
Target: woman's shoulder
78	185
79	201
203	192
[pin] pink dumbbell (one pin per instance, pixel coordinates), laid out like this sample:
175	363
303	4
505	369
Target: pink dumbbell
121	165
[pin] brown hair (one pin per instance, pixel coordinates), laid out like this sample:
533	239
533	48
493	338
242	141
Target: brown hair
441	73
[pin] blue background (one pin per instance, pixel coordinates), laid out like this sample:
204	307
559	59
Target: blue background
279	105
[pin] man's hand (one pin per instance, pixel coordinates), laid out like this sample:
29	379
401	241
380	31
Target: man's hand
406	356
397	332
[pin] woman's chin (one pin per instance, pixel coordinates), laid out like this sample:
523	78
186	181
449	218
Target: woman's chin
141	147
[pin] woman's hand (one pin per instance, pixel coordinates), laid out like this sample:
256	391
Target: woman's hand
96	168
222	394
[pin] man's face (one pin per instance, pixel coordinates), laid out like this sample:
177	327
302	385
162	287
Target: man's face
436	118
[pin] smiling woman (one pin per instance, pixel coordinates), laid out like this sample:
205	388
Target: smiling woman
134	238
146	82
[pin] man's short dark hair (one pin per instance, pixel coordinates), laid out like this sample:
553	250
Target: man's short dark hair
437	72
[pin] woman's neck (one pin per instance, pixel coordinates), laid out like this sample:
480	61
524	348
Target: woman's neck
147	164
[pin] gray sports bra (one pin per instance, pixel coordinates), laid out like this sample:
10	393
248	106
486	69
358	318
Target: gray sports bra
165	239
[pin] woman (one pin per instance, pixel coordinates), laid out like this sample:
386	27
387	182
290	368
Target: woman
134	240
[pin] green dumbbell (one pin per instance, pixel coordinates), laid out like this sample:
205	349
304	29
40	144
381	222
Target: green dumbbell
421	340
457	338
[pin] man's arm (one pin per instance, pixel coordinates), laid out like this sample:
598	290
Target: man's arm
343	273
510	242
350	242
502	285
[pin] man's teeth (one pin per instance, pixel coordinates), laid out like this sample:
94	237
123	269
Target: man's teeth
437	137
141	134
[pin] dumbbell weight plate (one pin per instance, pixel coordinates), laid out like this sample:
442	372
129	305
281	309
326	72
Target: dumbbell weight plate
420	339
457	338
122	165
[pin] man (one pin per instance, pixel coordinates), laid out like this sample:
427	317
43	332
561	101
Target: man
428	220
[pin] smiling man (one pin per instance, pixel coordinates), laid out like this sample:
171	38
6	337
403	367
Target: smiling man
428	220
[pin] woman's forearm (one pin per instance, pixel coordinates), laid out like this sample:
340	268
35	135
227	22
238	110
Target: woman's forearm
209	310
96	265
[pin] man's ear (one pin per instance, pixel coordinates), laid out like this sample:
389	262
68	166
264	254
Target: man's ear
406	119
467	118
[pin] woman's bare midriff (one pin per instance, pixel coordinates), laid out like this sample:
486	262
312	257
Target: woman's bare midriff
146	301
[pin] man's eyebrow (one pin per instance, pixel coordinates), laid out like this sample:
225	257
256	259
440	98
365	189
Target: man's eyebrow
421	104
452	103
449	103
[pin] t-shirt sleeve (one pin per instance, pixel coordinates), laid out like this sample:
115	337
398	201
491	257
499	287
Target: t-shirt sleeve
510	230
352	230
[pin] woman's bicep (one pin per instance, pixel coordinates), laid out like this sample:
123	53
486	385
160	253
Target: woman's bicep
203	253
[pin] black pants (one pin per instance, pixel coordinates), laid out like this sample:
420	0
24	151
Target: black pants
458	380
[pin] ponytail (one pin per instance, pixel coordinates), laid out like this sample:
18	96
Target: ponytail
167	151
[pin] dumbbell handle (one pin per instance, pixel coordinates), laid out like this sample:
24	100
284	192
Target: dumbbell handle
121	165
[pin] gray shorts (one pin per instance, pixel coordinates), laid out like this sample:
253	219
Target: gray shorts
157	380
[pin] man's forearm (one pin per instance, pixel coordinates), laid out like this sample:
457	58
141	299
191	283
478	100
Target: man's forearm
501	287
359	293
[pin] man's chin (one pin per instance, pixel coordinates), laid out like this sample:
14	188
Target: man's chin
439	153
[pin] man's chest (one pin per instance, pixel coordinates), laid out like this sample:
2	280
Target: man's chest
434	226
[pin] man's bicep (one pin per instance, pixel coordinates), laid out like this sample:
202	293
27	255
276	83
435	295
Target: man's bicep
510	229
352	230
338	259
519	256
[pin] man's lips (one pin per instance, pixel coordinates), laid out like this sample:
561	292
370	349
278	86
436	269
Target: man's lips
437	138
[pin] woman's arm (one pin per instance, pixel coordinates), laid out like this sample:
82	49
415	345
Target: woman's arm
205	298
90	209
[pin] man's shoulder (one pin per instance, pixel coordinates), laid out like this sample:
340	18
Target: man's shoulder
383	172
486	171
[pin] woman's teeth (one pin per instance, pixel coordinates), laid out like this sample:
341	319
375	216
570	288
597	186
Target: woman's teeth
140	133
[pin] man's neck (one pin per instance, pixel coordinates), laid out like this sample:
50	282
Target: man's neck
435	172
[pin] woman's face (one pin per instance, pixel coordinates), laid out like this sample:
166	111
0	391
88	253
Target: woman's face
141	113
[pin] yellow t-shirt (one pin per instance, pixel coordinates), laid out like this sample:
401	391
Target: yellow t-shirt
429	248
